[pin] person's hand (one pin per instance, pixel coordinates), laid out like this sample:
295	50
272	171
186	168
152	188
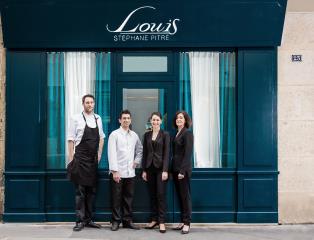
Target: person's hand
134	165
180	176
144	176
164	176
116	177
99	157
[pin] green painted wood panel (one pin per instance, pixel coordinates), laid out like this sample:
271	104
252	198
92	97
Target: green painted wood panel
25	104
257	135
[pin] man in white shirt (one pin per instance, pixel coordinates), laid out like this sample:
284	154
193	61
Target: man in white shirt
124	154
85	144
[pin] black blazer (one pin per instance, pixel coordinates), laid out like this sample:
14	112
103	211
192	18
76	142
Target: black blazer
182	150
158	157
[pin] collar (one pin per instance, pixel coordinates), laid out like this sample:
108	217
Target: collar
84	114
124	131
182	131
88	114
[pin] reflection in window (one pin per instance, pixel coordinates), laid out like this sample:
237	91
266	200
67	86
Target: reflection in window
207	93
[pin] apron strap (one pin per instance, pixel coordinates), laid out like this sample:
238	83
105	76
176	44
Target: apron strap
96	120
94	117
84	117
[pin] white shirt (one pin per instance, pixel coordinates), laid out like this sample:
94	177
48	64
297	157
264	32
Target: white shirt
124	148
77	126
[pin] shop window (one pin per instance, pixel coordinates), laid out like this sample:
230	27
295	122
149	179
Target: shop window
208	94
70	76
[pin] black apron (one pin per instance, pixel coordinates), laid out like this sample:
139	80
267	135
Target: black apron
82	170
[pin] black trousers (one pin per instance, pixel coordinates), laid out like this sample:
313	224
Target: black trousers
157	190
122	199
84	201
184	195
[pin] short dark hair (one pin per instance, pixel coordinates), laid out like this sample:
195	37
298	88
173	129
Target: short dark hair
86	96
157	114
125	111
188	120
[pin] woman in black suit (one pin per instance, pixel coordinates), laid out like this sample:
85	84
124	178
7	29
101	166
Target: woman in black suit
182	167
155	170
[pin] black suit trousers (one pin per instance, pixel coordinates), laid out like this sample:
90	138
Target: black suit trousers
157	190
122	199
84	201
183	190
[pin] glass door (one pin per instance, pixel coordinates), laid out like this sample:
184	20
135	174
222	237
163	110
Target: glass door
141	103
142	99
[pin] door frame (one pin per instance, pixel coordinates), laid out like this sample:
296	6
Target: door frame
146	80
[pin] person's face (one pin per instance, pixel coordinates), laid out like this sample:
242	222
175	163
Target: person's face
155	121
180	120
125	120
88	105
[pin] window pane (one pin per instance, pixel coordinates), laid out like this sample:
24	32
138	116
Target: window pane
56	109
208	94
66	86
141	103
145	64
102	98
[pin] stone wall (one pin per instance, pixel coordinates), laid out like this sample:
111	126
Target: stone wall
296	120
2	119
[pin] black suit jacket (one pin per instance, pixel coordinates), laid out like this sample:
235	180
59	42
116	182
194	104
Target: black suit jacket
158	157
182	152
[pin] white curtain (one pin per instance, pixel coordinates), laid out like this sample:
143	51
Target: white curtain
204	74
80	72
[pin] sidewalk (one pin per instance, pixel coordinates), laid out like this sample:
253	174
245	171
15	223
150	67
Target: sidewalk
59	231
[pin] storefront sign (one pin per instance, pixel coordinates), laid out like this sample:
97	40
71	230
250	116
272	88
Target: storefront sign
147	31
119	24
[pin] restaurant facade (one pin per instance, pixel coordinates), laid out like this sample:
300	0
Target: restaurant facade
217	60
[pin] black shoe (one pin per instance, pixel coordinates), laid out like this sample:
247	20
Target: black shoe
186	231
151	226
114	226
78	226
130	225
92	224
179	227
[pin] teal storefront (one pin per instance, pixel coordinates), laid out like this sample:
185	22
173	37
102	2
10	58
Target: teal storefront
215	59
